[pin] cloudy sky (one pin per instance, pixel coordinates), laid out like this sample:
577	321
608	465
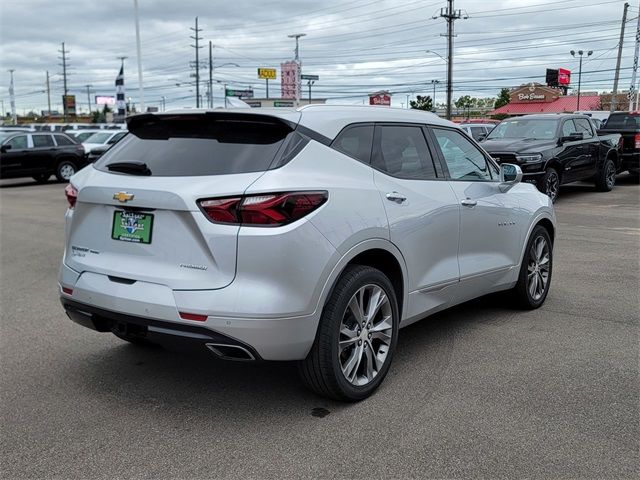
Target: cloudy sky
355	46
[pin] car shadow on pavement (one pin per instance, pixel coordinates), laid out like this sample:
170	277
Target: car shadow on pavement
169	379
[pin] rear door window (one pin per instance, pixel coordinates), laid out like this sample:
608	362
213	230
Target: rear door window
195	145
355	141
402	152
40	141
63	140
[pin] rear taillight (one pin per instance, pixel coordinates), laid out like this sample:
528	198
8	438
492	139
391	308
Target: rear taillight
268	210
72	195
637	141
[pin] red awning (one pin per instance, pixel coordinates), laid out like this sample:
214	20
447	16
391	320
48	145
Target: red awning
561	105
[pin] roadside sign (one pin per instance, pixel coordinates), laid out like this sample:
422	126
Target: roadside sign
246	93
267	73
282	104
309	77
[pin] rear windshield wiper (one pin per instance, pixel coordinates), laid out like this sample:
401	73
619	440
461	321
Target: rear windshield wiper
134	168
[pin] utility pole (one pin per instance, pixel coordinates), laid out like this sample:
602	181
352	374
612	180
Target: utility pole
297	59
164	105
48	96
89	97
635	65
197	46
140	89
210	96
64	79
617	75
450	15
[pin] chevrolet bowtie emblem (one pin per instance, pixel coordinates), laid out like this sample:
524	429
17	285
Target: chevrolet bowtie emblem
123	196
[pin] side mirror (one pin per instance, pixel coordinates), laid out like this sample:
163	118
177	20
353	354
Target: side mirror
510	175
4	148
574	137
481	137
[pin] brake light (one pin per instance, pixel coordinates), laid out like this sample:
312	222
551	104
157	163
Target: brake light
72	195
67	290
268	210
637	141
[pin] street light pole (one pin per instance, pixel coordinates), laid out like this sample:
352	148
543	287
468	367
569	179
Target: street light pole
434	83
138	49
580	53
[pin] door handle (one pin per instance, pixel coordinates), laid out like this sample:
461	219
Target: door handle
467	202
396	197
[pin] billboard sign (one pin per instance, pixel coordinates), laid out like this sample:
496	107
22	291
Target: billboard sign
267	73
105	100
289	85
564	77
69	104
380	99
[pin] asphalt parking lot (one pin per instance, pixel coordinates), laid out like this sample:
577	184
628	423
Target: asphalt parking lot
481	391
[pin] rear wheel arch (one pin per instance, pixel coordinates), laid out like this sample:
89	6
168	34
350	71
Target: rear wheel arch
375	254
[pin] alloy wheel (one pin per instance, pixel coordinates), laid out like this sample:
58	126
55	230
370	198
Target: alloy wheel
365	336
552	185
67	171
538	268
610	175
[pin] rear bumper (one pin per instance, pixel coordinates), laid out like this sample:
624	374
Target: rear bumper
160	331
630	160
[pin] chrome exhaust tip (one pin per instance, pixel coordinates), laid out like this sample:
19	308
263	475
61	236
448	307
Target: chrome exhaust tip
230	352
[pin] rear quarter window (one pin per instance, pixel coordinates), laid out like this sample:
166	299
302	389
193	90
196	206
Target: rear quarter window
197	145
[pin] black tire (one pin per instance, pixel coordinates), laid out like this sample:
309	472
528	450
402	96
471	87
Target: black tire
550	183
321	371
606	176
65	169
42	177
522	293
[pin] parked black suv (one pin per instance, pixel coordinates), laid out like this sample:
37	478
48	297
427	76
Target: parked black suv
626	124
40	155
556	149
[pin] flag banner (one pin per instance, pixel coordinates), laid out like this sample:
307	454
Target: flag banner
121	104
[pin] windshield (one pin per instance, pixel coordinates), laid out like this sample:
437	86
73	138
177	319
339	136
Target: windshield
538	129
99	137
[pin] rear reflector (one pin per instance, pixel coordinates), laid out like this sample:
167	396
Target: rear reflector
637	141
67	290
72	195
267	210
192	316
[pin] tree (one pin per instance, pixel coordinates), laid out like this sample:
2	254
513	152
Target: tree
503	98
465	101
422	103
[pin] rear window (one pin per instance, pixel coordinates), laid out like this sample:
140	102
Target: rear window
623	121
63	140
195	145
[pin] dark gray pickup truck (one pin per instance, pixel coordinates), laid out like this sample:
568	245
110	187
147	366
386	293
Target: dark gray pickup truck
626	124
555	149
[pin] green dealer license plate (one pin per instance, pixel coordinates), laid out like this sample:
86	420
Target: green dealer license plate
132	227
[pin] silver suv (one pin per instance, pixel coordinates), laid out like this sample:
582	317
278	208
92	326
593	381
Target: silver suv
309	235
